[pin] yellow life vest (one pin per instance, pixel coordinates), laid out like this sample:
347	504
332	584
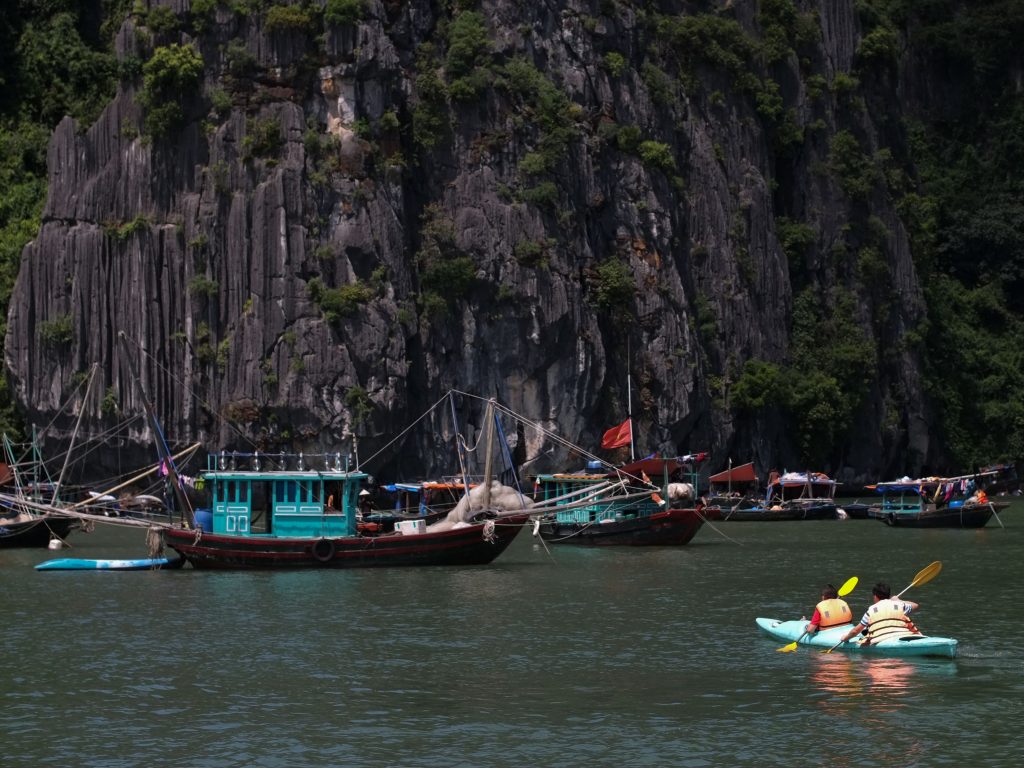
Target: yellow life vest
888	621
833	612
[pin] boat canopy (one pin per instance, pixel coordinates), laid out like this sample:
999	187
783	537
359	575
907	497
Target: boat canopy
792	479
744	473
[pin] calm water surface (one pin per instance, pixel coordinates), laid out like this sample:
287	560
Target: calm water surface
577	657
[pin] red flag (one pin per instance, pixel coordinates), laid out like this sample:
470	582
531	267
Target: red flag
618	436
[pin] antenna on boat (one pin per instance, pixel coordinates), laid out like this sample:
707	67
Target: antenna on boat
166	459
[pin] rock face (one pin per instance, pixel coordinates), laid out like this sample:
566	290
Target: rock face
289	264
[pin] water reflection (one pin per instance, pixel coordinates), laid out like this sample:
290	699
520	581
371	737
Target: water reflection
844	680
833	675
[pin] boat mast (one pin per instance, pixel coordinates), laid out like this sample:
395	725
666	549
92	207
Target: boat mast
74	436
166	459
489	460
459	447
629	400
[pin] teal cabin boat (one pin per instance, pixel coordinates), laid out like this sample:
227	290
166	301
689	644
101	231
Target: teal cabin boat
280	510
935	502
623	506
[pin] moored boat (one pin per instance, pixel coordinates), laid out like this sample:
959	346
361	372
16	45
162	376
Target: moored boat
22	522
935	502
623	506
733	488
909	645
791	496
307	517
22	528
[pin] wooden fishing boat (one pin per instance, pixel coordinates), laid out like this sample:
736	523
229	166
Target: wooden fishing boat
733	488
935	502
911	645
22	524
31	529
622	507
791	496
307	517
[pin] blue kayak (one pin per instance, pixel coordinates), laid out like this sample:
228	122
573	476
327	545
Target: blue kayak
913	645
145	564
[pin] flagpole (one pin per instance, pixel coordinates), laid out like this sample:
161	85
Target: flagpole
629	400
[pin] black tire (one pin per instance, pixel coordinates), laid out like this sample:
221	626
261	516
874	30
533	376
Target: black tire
891	518
323	550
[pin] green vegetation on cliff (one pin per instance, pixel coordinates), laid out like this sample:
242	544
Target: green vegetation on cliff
55	60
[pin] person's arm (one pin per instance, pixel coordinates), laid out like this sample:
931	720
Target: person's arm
909	605
811	628
855	630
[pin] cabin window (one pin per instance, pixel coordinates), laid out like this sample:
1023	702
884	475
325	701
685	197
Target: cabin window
286	492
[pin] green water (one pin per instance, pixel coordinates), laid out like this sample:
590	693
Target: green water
581	657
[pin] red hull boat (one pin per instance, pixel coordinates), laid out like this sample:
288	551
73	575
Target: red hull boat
475	544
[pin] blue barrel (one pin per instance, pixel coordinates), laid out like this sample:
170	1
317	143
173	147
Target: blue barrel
594	465
204	520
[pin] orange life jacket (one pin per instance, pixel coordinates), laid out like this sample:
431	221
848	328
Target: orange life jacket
888	621
833	612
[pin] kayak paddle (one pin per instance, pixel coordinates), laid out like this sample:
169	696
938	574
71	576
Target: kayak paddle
844	590
923	577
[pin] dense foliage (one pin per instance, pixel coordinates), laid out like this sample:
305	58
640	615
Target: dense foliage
55	60
968	226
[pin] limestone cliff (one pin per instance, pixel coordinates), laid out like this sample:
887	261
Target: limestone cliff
356	213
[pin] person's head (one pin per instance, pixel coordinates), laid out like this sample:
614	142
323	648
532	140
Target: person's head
881	591
829	593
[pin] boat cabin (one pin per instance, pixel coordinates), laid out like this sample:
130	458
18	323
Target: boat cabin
914	495
281	495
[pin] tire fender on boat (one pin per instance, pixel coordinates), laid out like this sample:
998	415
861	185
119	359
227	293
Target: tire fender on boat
323	550
891	518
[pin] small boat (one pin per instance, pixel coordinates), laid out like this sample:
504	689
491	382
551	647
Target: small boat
912	645
733	487
144	564
31	529
856	510
791	496
22	522
622	506
935	502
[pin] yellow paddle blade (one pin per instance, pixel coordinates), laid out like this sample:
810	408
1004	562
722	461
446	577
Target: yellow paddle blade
787	648
927	574
848	587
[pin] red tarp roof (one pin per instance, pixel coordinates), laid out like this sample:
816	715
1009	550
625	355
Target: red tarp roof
744	473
